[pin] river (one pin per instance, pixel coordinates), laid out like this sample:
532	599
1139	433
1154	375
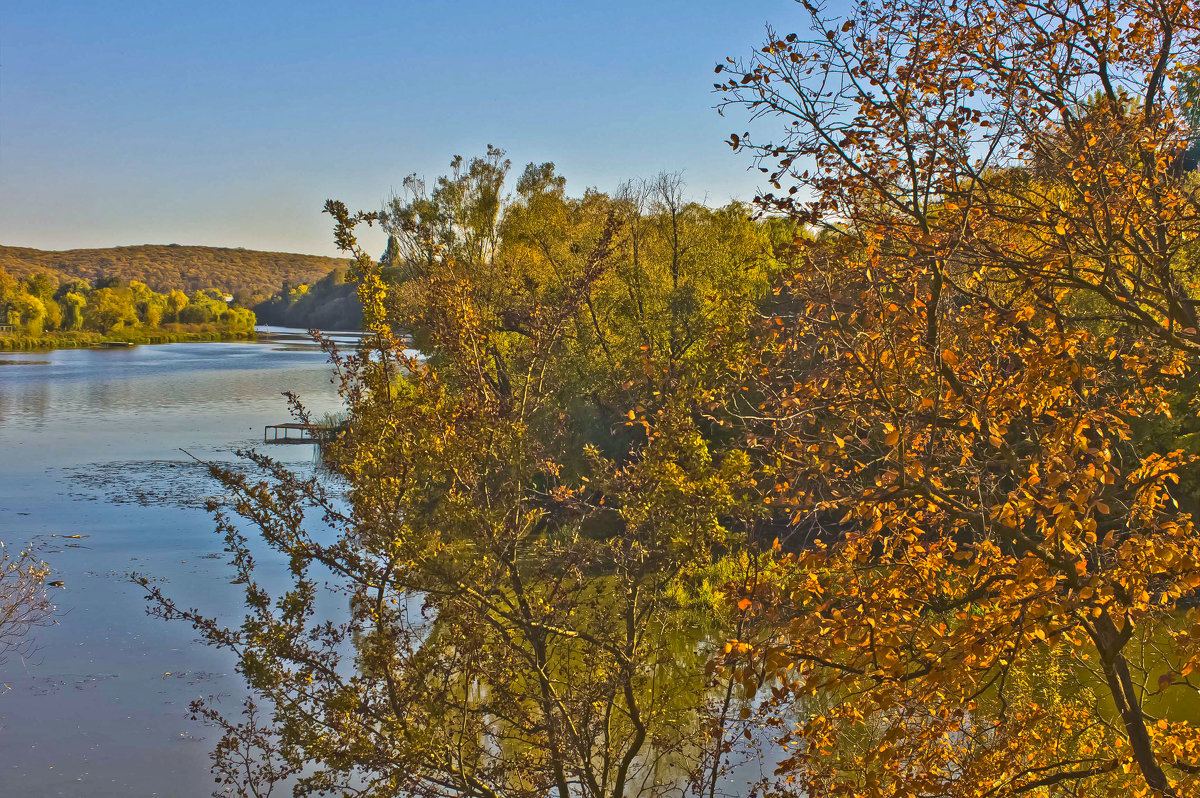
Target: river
90	445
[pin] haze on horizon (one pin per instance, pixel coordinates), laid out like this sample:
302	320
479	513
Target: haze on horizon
229	124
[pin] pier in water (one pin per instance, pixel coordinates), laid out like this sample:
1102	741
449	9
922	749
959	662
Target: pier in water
90	465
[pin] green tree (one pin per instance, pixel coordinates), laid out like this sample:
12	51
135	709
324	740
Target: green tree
148	305
176	301
43	286
109	309
541	512
73	304
8	291
30	313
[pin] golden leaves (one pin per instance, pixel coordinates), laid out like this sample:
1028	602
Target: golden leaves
1002	503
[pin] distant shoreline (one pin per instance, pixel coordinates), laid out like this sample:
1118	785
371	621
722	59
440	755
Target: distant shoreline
92	340
45	343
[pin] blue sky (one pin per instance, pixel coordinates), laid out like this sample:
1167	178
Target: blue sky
230	123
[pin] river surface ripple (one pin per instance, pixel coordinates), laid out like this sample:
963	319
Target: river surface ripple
90	445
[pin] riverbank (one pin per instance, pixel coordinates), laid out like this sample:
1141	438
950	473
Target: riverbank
90	442
87	340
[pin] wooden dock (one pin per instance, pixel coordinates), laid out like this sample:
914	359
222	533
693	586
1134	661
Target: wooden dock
304	433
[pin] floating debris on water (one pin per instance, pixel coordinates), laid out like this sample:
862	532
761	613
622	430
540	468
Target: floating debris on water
148	483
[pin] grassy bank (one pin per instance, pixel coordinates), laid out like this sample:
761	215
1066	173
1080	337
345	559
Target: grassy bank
83	340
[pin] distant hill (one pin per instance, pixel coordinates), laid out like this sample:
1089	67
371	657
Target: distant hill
167	266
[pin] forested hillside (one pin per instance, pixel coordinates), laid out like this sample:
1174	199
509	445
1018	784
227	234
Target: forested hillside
163	267
331	303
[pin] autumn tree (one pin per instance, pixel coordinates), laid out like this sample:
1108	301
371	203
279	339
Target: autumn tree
30	312
990	580
109	308
71	296
539	515
148	305
176	301
42	286
455	221
42	304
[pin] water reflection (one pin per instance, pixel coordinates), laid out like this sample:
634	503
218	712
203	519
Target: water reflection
89	444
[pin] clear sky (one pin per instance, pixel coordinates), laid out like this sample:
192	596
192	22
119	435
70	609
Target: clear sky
230	123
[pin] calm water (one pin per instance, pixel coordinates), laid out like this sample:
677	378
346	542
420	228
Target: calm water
90	445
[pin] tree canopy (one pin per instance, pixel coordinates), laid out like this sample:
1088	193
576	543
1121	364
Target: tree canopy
888	486
41	304
540	517
976	397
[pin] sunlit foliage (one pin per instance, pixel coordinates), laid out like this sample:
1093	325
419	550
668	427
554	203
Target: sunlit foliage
40	305
541	513
967	399
891	487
